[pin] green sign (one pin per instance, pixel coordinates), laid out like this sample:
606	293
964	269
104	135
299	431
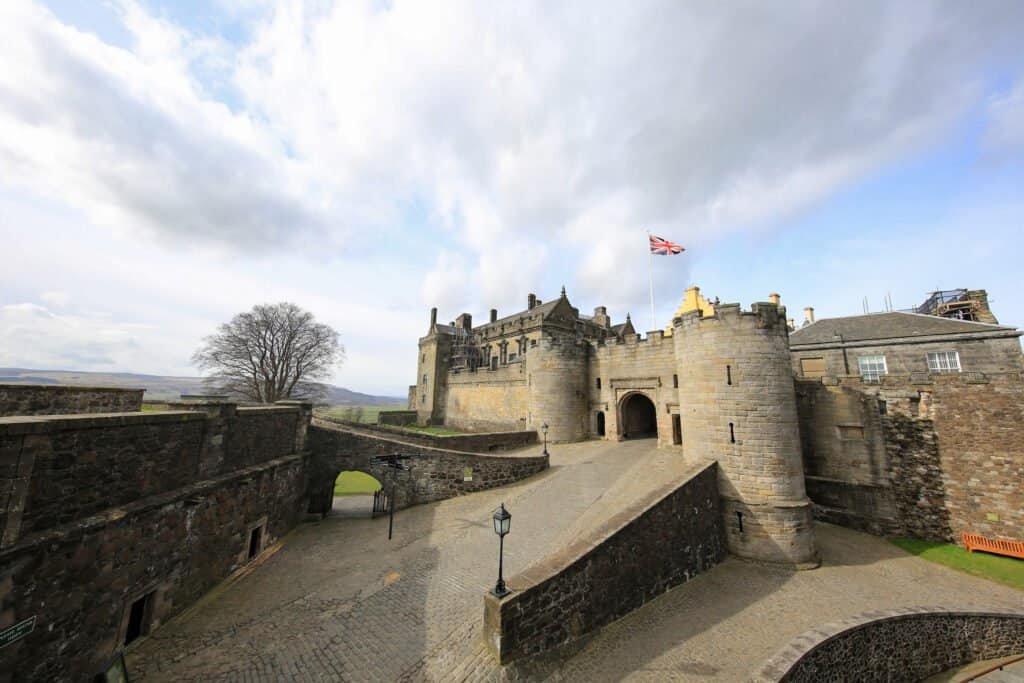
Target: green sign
17	632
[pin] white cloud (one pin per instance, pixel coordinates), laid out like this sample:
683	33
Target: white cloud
539	140
1005	135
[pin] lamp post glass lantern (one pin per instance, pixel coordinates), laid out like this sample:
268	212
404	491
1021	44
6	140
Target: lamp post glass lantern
544	428
502	525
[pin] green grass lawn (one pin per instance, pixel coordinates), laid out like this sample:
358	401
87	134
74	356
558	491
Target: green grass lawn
154	407
354	484
1006	570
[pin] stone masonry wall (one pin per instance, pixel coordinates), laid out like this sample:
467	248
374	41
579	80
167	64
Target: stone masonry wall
436	474
79	580
472	443
950	458
81	464
898	645
738	406
398	418
34	399
647	365
557	379
660	542
488	400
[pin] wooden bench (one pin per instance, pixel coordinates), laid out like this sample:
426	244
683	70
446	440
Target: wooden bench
993	545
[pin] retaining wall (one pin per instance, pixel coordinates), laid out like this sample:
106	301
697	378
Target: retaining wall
104	509
436	473
646	549
896	645
472	443
60	399
398	418
924	455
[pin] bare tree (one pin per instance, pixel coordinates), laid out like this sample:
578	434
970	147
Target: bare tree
273	352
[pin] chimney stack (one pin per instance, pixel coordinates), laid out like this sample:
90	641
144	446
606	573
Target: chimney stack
809	314
433	318
531	301
494	314
774	298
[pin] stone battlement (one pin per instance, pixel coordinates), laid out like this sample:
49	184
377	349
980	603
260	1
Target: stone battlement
762	314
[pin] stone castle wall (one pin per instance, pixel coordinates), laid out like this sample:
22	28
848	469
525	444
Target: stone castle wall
488	400
634	364
656	544
102	510
928	456
738	406
901	645
35	399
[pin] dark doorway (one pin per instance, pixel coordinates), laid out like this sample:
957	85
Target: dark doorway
639	419
138	618
600	423
255	541
677	430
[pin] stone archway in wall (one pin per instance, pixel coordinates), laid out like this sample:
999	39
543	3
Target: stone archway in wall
638	418
353	493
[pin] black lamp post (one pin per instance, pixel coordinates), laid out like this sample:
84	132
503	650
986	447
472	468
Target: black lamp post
502	524
544	428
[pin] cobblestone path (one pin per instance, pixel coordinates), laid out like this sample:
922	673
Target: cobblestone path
338	601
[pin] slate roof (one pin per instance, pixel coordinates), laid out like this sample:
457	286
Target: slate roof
543	309
885	326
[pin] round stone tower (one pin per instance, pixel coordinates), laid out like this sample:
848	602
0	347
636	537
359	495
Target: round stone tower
557	376
737	405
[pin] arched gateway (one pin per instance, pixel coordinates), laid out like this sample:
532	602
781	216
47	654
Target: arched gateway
637	417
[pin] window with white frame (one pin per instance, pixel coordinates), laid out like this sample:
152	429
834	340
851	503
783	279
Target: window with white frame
872	368
944	361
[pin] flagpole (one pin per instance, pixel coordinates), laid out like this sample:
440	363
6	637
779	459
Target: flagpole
650	274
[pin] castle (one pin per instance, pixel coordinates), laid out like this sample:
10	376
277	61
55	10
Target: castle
863	412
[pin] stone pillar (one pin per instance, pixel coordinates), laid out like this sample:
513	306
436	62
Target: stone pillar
220	417
557	372
302	424
738	407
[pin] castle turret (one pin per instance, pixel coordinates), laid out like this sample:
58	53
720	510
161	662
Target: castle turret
738	406
427	396
557	377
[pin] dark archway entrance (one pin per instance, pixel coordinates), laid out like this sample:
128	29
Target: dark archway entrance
639	419
600	423
353	494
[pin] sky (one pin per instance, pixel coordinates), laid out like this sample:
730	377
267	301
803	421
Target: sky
167	165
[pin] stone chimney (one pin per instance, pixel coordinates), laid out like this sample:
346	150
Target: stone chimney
433	318
808	315
465	321
531	301
494	314
790	323
774	298
601	317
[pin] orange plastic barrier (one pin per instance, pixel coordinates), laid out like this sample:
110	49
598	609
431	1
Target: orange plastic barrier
993	545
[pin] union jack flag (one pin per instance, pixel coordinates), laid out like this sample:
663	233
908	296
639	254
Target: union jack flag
662	247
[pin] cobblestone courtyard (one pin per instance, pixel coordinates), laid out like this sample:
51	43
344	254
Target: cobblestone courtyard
338	601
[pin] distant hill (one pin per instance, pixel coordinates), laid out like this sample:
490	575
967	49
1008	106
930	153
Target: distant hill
160	388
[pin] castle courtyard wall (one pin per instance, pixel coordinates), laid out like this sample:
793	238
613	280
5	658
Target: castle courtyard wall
930	456
102	510
488	400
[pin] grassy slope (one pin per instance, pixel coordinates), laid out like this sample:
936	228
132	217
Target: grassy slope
355	483
1006	570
